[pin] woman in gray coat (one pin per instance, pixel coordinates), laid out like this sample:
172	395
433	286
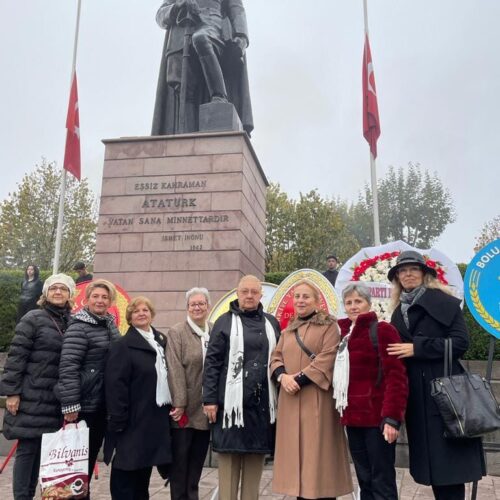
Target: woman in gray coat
186	349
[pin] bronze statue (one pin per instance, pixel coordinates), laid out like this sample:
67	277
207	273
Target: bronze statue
203	60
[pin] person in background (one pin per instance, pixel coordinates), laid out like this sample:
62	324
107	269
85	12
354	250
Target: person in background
28	381
371	389
138	403
425	313
311	452
83	360
187	345
238	396
31	289
331	272
83	274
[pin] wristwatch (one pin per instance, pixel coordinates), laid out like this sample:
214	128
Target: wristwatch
279	378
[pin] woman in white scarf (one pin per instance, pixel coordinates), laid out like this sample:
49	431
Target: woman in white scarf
138	404
186	349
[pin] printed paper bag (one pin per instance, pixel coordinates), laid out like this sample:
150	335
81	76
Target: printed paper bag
64	463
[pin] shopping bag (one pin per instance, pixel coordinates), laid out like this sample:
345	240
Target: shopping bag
64	463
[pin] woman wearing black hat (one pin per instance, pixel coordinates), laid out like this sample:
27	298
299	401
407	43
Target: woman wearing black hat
425	313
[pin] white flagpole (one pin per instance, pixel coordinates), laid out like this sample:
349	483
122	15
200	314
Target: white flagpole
60	217
373	167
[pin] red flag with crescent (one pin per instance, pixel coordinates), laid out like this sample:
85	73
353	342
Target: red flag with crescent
371	121
72	150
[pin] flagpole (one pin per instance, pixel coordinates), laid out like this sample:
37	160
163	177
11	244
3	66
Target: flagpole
373	166
60	216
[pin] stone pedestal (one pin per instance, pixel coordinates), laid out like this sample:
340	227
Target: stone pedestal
178	212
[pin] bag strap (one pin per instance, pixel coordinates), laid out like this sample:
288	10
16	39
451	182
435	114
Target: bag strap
61	333
310	354
448	356
374	339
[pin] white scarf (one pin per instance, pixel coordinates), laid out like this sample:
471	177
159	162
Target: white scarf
233	399
163	396
341	374
203	334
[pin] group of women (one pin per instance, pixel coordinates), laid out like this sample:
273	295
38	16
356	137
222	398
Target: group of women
361	374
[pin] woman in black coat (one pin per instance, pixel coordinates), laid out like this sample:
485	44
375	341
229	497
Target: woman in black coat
426	314
29	378
31	289
138	404
83	359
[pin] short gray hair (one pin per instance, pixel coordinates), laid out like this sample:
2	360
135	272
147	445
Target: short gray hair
360	288
197	291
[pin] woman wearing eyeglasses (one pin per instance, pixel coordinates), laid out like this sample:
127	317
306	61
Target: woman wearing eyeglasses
425	313
29	378
186	348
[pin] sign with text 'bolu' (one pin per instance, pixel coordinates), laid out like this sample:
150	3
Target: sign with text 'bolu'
482	287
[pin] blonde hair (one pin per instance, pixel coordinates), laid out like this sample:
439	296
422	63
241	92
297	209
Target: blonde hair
134	303
315	291
107	285
429	282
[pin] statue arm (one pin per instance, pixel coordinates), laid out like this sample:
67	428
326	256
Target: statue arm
238	18
166	13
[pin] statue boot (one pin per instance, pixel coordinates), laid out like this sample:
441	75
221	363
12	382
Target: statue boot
214	78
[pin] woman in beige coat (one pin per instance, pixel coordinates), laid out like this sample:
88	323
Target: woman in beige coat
311	453
186	347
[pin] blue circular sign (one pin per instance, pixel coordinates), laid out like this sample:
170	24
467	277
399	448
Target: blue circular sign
482	287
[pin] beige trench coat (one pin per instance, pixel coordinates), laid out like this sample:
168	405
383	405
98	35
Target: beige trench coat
185	373
311	453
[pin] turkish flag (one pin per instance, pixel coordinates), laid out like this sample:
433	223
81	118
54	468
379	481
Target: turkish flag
72	150
371	121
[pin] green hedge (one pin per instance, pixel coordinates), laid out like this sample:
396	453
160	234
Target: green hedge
479	338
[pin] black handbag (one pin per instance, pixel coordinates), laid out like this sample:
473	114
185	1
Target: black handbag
465	401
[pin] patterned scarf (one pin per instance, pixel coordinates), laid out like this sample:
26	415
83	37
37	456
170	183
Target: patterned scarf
409	298
233	398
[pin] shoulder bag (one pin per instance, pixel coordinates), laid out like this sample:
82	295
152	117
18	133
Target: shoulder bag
465	401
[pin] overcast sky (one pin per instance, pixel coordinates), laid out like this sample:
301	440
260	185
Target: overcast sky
437	69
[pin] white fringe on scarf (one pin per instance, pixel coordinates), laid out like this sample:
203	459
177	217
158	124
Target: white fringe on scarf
163	396
233	399
202	333
341	374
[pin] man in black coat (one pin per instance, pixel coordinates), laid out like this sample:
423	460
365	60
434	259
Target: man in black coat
238	396
331	272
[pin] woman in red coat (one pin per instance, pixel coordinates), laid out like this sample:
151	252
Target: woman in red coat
371	389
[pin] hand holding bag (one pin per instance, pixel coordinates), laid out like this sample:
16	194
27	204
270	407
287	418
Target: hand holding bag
465	401
64	462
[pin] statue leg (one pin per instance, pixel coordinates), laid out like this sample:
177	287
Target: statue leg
211	66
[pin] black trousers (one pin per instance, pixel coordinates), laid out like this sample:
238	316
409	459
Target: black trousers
189	449
373	459
96	422
130	484
449	492
26	467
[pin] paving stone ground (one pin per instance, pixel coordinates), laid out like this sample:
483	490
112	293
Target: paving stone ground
489	487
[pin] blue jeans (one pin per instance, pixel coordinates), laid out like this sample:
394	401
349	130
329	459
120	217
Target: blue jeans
26	467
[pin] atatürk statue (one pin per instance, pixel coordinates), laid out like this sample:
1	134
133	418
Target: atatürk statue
203	61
